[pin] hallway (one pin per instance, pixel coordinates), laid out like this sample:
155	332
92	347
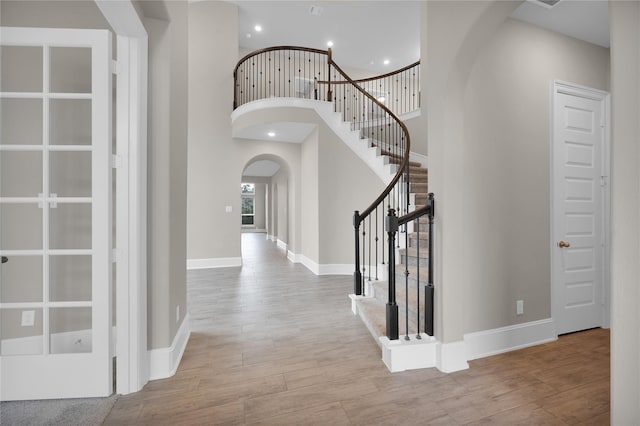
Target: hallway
272	343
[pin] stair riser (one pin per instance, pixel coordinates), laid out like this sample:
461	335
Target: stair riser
418	179
413	282
418	188
424	244
420	199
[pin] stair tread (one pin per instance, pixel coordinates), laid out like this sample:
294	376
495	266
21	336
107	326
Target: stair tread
373	314
413	252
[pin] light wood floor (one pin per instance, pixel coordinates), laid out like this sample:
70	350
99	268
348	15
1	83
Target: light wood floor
273	344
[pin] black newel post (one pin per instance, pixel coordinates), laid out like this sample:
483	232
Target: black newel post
428	288
391	225
357	275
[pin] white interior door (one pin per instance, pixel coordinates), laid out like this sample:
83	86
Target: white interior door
55	213
579	209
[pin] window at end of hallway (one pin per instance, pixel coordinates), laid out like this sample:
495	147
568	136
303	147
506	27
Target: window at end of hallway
248	191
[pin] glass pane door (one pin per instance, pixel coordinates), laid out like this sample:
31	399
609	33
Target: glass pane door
55	221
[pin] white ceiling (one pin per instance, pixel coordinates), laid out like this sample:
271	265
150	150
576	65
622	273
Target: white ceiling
261	168
362	31
292	132
365	33
586	20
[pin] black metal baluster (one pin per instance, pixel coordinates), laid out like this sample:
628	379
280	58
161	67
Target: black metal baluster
391	226
357	275
376	261
364	253
417	226
369	241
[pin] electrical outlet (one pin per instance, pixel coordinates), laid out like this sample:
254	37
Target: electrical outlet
229	209
519	307
28	318
177	313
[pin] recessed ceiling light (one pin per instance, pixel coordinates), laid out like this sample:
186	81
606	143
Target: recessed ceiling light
386	62
330	43
271	134
258	28
248	35
381	99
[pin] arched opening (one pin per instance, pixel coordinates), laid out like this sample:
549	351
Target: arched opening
265	185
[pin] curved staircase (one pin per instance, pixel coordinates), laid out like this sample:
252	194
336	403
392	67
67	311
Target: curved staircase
392	235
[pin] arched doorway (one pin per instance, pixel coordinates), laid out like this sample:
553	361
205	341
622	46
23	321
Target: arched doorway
265	185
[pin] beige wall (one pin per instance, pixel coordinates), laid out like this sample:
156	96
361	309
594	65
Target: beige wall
625	219
345	184
167	150
452	34
506	157
310	197
213	52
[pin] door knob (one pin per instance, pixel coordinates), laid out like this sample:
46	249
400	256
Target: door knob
563	244
5	259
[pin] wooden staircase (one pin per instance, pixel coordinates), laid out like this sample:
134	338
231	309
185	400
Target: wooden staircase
372	309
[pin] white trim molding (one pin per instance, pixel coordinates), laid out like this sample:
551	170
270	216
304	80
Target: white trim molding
505	339
319	268
164	362
214	262
281	244
401	355
451	357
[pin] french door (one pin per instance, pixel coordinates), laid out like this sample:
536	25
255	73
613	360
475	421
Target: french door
55	213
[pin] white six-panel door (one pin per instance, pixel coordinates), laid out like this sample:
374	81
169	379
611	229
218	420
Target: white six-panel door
55	213
579	232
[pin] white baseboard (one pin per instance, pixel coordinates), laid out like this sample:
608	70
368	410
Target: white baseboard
164	362
282	245
321	269
293	257
499	340
271	237
451	357
401	355
215	262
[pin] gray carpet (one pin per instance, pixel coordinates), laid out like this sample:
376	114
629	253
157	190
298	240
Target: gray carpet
68	412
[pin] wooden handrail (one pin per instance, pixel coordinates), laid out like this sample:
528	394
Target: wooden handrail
377	77
407	150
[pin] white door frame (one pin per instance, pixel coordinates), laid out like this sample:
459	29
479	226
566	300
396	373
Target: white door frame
131	194
561	87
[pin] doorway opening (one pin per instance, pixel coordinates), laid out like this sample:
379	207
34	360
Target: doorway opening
264	191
